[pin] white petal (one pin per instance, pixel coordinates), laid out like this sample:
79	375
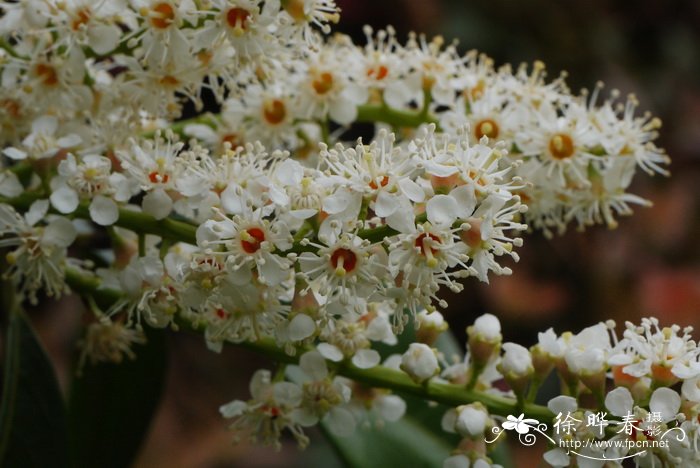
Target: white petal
398	94
665	401
330	352
157	203
339	201
233	409
65	199
619	402
60	232
290	172
104	211
556	457
10	185
449	420
314	365
385	204
302	214
442	210
304	417
366	358
287	393
37	212
201	132
343	111
45	125
691	389
340	422
466	200
231	201
562	404
412	190
69	141
390	407
300	327
456	461
14	153
273	272
259	383
104	38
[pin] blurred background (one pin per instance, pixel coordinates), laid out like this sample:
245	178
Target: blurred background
650	265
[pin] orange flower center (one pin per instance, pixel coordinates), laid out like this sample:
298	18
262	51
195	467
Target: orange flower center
82	17
487	128
157	177
274	111
378	73
169	81
561	146
382	183
323	83
47	73
163	15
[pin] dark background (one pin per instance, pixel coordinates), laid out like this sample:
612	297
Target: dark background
648	266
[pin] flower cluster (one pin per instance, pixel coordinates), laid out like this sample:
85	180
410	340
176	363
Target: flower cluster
266	225
630	397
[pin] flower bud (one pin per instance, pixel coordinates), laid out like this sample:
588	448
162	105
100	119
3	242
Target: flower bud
590	366
420	362
484	339
472	420
516	366
542	361
431	325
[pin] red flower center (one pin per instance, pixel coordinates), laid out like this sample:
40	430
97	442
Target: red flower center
251	240
343	260
237	18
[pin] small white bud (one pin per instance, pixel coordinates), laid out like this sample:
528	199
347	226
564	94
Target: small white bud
420	362
471	420
516	360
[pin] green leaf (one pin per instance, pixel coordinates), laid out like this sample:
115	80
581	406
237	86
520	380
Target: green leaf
111	406
32	411
403	443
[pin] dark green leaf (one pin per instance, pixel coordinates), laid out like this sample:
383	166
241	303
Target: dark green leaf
402	443
111	406
32	411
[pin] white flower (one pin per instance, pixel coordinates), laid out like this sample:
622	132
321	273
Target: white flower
247	244
326	90
43	142
38	256
324	398
269	411
420	362
153	164
346	268
91	178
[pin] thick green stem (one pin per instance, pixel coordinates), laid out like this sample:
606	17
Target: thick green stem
380	377
394	117
177	230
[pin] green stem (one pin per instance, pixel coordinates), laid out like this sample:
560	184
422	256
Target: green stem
379	377
176	230
11	50
394	117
